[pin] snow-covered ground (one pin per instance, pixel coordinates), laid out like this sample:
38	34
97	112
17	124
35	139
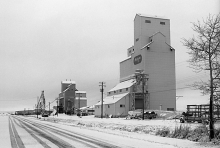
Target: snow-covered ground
117	126
126	122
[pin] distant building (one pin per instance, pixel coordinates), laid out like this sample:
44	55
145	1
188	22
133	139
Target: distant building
69	96
80	99
153	54
26	112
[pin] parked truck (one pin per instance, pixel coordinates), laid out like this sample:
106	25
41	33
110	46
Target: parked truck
138	114
200	113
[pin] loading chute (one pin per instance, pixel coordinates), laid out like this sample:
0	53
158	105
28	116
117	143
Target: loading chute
41	104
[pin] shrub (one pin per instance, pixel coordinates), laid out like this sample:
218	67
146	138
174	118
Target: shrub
217	133
136	129
164	132
216	141
89	125
204	139
198	133
180	132
80	124
146	131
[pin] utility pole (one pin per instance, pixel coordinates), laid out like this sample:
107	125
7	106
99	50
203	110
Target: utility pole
57	107
102	84
49	108
143	83
79	100
141	76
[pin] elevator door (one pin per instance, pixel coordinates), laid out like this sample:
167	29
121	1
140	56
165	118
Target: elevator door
138	103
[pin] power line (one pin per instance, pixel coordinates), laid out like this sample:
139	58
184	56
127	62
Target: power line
180	62
51	103
172	89
168	83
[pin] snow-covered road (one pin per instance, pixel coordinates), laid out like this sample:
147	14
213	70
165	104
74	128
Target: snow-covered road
30	132
20	132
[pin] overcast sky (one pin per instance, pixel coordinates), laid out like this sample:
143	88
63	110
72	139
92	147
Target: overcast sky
43	42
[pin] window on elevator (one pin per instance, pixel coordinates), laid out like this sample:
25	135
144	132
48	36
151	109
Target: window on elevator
147	21
122	105
162	23
170	109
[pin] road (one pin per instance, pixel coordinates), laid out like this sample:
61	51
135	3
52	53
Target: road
27	132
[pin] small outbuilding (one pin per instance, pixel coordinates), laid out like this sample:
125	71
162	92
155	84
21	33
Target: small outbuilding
114	106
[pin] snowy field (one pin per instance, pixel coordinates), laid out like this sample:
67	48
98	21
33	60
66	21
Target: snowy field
119	123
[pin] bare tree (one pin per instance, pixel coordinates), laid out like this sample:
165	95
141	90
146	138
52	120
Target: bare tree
204	51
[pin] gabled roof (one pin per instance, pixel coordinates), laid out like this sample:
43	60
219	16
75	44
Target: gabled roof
153	41
125	84
112	99
157	33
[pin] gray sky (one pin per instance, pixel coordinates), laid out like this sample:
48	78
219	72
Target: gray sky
45	42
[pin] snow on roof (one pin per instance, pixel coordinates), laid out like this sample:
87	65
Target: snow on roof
88	107
81	98
112	99
68	82
152	16
124	84
126	59
169	45
85	107
80	92
127	78
91	107
147	45
66	89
